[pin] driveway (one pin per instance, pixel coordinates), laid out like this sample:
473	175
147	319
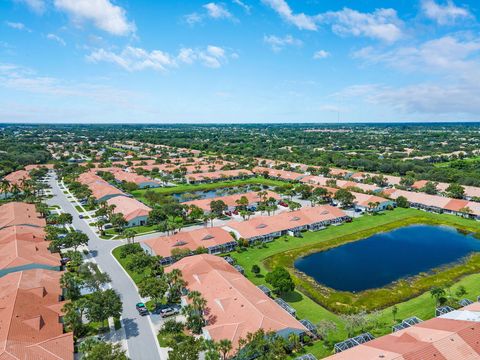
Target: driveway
140	335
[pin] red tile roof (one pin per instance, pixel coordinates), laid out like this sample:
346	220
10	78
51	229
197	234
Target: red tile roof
22	233
18	213
280	174
16	177
230	200
235	306
29	317
192	240
217	175
438	338
132	177
16	250
264	225
129	207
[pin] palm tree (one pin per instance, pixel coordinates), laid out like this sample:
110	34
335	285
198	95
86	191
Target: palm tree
15	191
175	284
42	209
5	187
99	224
294	341
465	211
130	235
198	302
110	211
262	195
437	293
224	346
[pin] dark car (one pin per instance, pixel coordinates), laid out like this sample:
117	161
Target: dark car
142	309
228	213
282	203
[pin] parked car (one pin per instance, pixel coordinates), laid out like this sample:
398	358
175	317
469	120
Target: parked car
235	212
81	216
108	226
282	203
142	309
166	312
64	261
228	213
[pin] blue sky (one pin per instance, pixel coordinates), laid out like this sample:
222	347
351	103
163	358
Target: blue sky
236	61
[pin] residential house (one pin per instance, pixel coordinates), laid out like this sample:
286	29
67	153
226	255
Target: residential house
31	317
235	306
278	174
214	239
267	228
231	200
133	211
19	213
218	176
452	336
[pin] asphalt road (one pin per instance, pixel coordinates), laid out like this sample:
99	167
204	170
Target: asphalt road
140	336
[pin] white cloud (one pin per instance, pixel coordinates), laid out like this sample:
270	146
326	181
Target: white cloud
381	24
193	18
321	54
134	59
245	7
56	38
450	55
104	15
37	6
279	43
212	56
452	65
17	26
444	14
137	59
25	79
429	98
217	11
301	21
212	10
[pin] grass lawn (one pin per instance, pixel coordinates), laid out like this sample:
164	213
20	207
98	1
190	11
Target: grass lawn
421	306
210	186
449	163
79	209
136	277
138	229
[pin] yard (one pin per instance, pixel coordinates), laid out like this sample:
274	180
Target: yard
421	306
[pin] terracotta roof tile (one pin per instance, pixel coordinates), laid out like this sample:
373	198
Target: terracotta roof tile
235	306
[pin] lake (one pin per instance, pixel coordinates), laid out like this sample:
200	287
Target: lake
386	257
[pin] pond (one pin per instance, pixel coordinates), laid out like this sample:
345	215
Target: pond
386	257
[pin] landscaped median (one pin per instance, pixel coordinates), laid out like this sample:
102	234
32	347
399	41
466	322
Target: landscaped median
345	302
